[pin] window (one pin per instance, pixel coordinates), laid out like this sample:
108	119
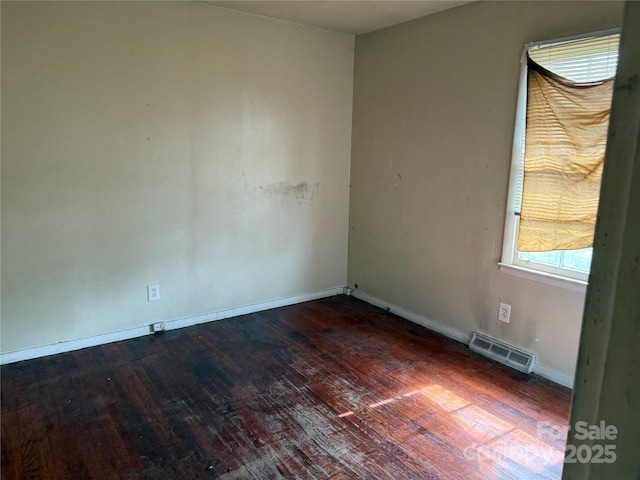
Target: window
558	150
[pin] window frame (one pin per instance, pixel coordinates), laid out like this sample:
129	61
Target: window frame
510	262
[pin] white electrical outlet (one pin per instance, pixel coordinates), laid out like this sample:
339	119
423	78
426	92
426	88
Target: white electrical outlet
153	292
504	312
158	327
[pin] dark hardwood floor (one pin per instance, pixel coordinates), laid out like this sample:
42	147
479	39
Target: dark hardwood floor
333	388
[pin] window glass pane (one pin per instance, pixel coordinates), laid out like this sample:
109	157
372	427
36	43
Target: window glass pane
578	259
583	60
550	258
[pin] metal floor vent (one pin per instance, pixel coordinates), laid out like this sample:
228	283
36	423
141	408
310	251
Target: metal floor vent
502	352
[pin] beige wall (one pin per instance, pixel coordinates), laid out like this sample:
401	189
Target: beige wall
172	143
434	106
208	151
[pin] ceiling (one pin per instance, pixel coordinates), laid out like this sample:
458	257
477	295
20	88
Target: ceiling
348	16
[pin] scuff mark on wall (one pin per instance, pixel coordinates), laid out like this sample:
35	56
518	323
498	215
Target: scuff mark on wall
290	194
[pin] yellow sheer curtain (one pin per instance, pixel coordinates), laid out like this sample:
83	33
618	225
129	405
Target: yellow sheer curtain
566	134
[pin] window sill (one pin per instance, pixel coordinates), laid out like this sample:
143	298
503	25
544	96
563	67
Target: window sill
542	277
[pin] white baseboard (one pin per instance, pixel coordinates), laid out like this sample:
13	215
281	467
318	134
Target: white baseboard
554	375
450	332
438	327
70	345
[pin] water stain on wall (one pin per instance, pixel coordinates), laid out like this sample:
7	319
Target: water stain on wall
290	194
